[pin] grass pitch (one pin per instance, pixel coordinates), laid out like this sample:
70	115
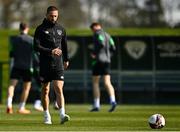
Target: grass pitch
125	118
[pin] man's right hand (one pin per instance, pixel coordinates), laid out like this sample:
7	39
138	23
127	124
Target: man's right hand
56	52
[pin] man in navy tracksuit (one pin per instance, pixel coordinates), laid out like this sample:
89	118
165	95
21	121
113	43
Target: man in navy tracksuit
50	41
103	49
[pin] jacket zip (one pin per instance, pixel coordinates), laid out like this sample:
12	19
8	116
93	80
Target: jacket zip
54	38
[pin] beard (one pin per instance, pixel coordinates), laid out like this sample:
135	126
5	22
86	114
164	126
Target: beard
51	21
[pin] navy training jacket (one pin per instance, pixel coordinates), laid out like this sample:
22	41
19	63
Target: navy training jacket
47	37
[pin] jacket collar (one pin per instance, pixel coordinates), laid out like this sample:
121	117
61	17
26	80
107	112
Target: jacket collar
48	23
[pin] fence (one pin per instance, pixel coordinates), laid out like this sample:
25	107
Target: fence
145	69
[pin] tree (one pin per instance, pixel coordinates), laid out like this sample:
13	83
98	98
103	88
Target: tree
71	14
80	13
151	15
6	12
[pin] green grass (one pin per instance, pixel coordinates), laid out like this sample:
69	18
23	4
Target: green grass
125	118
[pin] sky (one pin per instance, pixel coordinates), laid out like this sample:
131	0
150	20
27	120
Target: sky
172	13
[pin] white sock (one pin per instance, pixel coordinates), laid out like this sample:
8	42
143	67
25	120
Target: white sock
46	113
37	103
97	102
22	105
9	102
62	112
112	99
56	105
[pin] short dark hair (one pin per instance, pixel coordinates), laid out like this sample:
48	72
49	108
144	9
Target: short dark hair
94	24
22	26
51	8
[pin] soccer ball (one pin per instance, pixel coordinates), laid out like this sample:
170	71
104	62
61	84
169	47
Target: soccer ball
156	121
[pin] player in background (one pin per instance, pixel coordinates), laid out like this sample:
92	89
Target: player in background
21	55
103	49
51	42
